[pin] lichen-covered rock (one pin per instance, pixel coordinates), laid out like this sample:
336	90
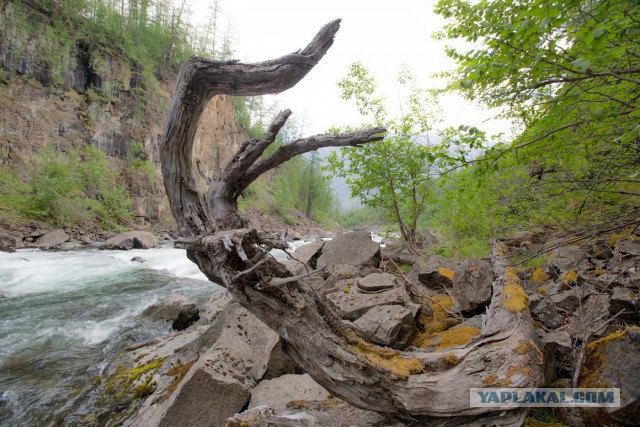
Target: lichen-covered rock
52	239
304	257
613	361
390	325
355	248
472	284
435	272
131	240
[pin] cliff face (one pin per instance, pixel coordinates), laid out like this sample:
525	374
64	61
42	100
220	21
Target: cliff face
60	92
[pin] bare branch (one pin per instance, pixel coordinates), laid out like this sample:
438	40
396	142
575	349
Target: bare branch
301	146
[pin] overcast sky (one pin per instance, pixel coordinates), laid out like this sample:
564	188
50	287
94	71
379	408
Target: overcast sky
383	35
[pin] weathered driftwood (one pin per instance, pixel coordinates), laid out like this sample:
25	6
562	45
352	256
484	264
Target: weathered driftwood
432	387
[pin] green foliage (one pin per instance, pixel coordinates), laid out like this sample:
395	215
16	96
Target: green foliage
396	174
70	189
567	73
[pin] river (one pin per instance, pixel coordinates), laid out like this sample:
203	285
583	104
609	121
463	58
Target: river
64	315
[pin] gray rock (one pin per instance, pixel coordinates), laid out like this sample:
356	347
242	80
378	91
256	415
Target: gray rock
628	247
279	363
377	282
8	241
548	313
137	259
278	392
304	256
206	401
435	272
67	246
589	317
354	248
614	363
565	258
230	356
294	235
390	325
425	239
627	300
168	308
131	240
571	298
556	345
601	250
472	284
187	317
351	303
51	239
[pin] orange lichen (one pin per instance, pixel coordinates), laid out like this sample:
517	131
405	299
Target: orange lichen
446	272
453	337
514	298
570	278
179	373
451	359
491	379
390	360
539	275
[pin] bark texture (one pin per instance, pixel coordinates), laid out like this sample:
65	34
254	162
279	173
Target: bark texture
429	387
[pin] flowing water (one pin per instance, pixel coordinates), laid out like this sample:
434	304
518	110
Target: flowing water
65	315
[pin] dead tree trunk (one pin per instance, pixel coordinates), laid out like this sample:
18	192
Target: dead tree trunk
414	385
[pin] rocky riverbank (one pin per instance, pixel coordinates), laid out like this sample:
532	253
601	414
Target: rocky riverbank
229	368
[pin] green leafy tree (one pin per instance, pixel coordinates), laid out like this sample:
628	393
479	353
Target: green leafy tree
393	175
568	73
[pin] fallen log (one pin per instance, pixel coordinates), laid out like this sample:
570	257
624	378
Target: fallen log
414	384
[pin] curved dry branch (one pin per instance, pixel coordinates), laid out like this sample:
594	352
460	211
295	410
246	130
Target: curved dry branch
430	387
198	81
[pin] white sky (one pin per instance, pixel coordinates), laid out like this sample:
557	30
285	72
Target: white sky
383	35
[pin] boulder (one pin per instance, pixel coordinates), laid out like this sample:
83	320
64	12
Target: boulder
589	317
354	248
613	361
51	239
214	384
206	401
168	308
8	241
435	272
351	303
377	282
67	246
279	392
472	285
628	247
131	240
548	313
565	258
279	363
389	325
555	345
627	300
304	257
137	259
187	317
